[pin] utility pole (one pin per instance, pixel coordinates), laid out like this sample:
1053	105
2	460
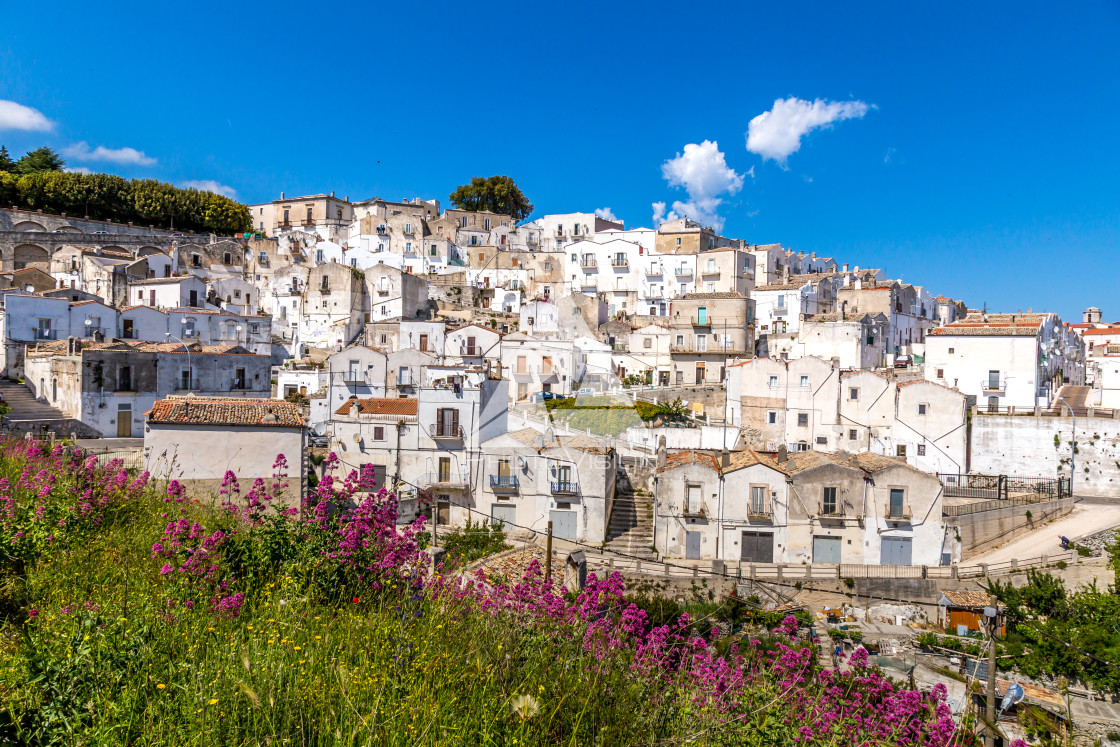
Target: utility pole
1073	446
548	554
991	615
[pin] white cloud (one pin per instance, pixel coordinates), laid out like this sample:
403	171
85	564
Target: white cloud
704	174
15	116
606	214
209	185
77	169
125	156
658	213
777	134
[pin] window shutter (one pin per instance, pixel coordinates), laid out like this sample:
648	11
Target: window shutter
455	422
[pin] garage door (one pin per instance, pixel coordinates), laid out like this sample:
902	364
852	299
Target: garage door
896	551
503	513
563	524
758	547
826	549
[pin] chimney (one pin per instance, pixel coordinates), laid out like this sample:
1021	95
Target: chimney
725	459
332	193
661	451
281	195
347	198
783	454
354	408
845	267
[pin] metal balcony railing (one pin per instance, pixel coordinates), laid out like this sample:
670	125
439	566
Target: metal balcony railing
503	482
446	479
994	387
620	262
710	272
898	513
444	430
702	321
564	487
588	263
683	272
756	511
654	272
830	509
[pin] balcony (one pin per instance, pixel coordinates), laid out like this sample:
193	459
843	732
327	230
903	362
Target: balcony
702	321
779	311
446	431
654	272
307	222
284	224
711	272
589	263
503	483
564	487
897	513
683	272
469	350
620	347
991	386
830	510
695	512
620	263
756	512
446	480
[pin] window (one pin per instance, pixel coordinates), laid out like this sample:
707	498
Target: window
852	434
951	351
318	255
124	379
384	338
802	419
680	341
486	224
408	247
758	499
286	212
547	265
781	302
546	366
185	379
900	450
522	364
423	343
226	258
379	433
447	421
408	229
308	215
463	221
522	390
678	241
829	504
898	503
941	373
822	441
239	378
196	260
804	382
701	343
353	263
693	496
922	409
432	250
237	294
853	393
772	417
921	449
647	343
773	382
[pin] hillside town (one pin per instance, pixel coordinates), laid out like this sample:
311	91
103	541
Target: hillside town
666	400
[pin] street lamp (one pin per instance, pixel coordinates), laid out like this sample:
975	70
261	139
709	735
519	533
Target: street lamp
1073	445
190	371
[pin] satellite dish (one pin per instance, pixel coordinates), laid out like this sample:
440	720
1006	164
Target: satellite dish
1013	695
539	442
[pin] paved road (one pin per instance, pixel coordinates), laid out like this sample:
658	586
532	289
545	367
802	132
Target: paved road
1084	519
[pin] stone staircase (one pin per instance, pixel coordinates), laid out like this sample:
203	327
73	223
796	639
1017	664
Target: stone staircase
31	415
1076	396
631	524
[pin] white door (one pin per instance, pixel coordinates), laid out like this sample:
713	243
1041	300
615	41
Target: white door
563	524
504	513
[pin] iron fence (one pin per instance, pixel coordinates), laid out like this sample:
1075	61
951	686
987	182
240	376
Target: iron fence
131	459
1003	488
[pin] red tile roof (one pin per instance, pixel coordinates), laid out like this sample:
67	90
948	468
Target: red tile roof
226	411
1102	331
380	406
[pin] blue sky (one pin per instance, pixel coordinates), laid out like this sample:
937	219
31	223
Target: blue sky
972	147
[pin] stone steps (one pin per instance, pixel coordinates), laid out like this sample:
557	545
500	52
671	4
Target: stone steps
630	528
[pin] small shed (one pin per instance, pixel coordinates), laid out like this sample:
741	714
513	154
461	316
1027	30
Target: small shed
965	608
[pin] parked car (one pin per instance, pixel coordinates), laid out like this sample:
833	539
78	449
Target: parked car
903	361
541	396
317	441
585	392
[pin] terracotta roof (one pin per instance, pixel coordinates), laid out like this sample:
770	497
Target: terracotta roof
960	329
740	459
590	444
968	598
380	406
190	410
165	281
683	458
864	460
1102	331
706	296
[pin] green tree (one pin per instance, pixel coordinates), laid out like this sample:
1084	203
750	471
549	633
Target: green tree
6	162
9	189
40	159
497	194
